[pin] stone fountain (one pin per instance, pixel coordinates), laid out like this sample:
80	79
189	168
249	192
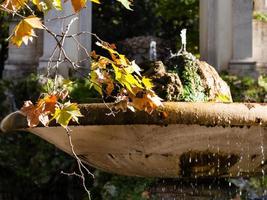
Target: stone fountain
191	140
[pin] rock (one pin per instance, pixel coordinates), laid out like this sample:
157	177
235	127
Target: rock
167	85
212	82
200	81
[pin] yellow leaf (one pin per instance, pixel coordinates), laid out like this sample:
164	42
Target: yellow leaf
222	98
119	59
147	83
24	32
57	4
34	22
126	4
70	111
95	82
46	5
96	1
14	5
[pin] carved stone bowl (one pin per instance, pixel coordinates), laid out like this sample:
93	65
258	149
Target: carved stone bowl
187	140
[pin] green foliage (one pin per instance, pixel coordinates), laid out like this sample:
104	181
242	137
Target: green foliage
161	18
186	67
260	16
246	89
114	187
81	92
34	166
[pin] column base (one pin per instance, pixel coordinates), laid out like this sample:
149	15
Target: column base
244	68
42	69
15	71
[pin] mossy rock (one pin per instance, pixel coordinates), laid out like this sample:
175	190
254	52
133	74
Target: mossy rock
185	78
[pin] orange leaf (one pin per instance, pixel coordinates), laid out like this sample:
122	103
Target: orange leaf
14	5
78	4
32	113
146	100
48	104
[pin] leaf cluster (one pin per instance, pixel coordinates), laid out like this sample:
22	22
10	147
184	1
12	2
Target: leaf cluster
118	78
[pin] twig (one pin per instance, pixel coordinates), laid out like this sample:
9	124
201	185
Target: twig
81	166
59	18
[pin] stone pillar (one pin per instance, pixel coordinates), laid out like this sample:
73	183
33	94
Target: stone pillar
242	62
70	46
216	32
260	5
24	60
226	35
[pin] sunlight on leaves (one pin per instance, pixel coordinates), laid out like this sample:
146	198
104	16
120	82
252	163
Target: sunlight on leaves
80	4
14	5
24	31
69	111
126	3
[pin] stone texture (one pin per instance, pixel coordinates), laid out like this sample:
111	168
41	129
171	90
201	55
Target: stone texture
201	82
212	82
167	85
260	43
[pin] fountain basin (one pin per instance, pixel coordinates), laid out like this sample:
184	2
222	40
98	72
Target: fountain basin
192	140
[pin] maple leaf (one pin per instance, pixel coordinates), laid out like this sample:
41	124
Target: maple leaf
14	5
118	59
110	85
48	104
80	4
147	83
32	113
126	4
146	100
69	111
96	82
24	32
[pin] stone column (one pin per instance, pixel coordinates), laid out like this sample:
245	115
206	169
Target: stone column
242	62
24	60
226	35
216	32
70	46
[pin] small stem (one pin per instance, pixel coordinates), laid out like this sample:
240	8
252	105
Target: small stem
81	166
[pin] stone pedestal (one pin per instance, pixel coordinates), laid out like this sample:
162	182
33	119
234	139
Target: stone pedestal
24	60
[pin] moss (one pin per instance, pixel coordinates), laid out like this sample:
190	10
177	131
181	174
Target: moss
186	67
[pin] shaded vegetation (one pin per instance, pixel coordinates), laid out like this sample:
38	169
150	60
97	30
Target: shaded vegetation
3	41
161	18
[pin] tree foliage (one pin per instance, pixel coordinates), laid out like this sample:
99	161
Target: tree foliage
161	18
